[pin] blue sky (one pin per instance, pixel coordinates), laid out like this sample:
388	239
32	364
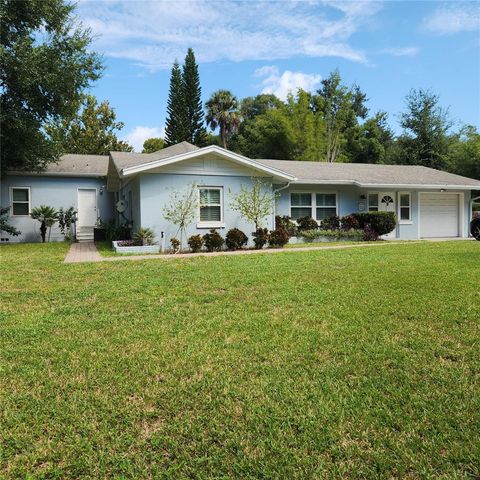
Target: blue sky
251	47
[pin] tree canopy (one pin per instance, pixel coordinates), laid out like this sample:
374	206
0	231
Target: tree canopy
151	145
46	65
93	130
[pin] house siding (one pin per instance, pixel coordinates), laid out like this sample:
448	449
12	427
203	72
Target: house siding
53	191
155	191
348	199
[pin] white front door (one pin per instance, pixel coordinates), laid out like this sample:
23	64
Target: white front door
386	203
87	207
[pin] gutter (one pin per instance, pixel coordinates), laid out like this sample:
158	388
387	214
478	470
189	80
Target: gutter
418	186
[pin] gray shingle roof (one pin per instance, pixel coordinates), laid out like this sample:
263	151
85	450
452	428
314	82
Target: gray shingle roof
72	164
369	174
126	159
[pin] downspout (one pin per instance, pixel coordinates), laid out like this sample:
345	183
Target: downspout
275	203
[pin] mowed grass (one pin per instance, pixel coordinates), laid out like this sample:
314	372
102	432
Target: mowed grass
355	363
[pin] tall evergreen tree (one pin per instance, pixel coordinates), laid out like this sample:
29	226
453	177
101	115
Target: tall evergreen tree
195	129
176	123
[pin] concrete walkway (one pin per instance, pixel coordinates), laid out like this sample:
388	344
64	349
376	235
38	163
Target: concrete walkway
83	252
87	252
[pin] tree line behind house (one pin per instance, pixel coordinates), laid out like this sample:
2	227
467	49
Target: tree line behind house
46	110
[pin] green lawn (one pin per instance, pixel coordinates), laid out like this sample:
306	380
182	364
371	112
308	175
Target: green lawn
355	363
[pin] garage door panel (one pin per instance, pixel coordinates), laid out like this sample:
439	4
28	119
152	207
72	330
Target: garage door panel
438	215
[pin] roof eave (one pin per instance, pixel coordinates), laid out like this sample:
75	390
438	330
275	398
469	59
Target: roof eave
58	174
386	185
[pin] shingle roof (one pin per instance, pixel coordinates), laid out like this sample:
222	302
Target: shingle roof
126	159
369	174
72	164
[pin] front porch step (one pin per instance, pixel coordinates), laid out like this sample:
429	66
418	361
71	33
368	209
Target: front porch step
85	234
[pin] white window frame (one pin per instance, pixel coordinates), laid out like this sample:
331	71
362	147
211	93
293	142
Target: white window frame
219	224
298	206
368	201
313	203
323	206
29	200
409	221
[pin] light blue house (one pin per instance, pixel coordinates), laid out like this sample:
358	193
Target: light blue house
134	188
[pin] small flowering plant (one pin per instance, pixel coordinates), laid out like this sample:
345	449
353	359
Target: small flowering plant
125	243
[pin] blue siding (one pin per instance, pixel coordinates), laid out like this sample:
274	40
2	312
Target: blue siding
348	199
130	192
56	192
155	191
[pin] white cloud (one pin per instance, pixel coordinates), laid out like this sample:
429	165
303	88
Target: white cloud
287	82
152	34
402	52
455	18
139	134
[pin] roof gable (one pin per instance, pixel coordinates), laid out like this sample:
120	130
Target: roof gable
156	163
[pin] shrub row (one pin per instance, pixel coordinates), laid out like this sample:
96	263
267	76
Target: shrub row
234	240
372	224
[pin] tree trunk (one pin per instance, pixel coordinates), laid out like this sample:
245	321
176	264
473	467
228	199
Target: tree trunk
43	231
223	135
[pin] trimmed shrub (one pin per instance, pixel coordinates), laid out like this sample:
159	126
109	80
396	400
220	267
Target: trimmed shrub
260	238
286	222
381	222
195	242
306	223
369	234
235	239
144	236
213	241
312	235
175	242
330	223
349	222
475	228
278	238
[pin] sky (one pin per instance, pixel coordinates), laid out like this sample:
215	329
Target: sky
250	47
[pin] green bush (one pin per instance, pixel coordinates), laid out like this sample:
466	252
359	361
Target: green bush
312	235
195	242
213	241
260	238
278	238
235	239
306	223
115	232
144	236
349	222
175	242
287	223
330	223
380	222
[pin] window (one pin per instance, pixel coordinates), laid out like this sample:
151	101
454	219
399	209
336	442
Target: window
405	207
373	202
20	200
211	205
326	205
300	205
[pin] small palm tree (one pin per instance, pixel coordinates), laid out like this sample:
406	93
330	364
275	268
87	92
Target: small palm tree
222	111
47	216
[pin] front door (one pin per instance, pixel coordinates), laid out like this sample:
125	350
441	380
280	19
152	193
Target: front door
87	207
386	203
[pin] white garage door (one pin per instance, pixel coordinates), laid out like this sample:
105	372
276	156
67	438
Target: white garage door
438	215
